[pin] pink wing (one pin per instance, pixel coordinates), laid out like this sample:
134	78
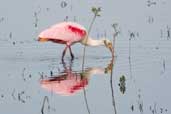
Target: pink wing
68	32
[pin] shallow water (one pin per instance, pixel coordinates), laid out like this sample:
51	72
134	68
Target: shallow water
30	70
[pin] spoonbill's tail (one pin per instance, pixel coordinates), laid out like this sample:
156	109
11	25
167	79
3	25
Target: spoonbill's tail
43	39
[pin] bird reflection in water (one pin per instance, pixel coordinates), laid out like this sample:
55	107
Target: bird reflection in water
70	82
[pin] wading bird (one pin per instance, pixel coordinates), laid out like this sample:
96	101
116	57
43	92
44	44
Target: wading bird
69	33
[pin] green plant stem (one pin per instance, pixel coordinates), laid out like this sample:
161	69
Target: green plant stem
111	82
83	62
86	101
90	27
111	75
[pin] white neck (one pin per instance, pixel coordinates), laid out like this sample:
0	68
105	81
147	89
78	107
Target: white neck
92	71
91	42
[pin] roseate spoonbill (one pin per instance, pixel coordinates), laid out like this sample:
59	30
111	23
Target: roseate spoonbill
69	33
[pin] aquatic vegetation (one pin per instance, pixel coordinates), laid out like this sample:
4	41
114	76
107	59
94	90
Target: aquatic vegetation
96	12
45	101
63	4
115	34
156	109
151	3
166	32
132	107
122	84
2	19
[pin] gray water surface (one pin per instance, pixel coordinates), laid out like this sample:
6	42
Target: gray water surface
141	73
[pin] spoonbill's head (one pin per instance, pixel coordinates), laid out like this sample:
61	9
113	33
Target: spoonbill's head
108	44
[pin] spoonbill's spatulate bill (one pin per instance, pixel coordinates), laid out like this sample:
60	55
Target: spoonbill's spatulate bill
69	33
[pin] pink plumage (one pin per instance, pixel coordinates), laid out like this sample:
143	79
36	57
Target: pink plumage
65	32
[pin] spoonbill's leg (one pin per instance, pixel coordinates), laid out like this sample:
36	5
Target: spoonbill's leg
72	55
63	53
